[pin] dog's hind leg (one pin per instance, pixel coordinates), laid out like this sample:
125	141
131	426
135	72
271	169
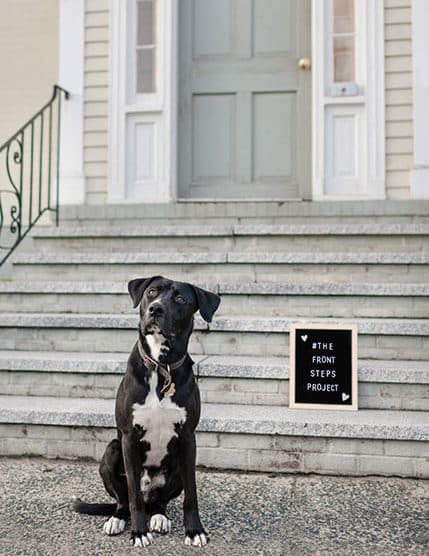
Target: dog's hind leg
113	474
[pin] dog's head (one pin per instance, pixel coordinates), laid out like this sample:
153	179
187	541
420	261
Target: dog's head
167	306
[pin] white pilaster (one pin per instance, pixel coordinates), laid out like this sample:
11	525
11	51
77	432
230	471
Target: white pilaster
420	172
71	74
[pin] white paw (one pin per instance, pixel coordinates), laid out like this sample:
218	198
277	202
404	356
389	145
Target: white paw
160	524
141	541
198	540
114	526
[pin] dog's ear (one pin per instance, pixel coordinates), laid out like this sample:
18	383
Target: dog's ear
137	287
208	303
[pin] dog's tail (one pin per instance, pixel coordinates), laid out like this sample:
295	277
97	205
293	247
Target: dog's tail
82	507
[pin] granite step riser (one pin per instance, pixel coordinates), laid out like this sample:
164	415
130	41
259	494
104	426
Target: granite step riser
251	305
267	344
288	243
227	272
245	452
209	208
269	392
221	220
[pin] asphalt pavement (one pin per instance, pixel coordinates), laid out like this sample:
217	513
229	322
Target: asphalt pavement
244	514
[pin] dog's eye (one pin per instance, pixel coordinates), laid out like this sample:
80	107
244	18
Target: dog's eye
180	299
152	292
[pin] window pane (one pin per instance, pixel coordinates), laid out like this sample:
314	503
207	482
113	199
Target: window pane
146	71
344	59
344	16
145	23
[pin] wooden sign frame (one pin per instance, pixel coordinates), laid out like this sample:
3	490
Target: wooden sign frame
353	406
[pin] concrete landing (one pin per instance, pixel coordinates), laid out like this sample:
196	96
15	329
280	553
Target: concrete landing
256	514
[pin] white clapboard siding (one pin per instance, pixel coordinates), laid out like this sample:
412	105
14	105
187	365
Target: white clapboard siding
399	98
96	99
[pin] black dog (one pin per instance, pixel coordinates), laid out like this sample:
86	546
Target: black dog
157	411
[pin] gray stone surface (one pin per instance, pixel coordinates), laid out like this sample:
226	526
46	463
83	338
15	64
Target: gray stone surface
405	372
209	230
362	229
396	327
133	231
218	209
119	258
247	419
219	258
23	286
43	410
283	421
314	288
245	288
328	258
232	288
244	514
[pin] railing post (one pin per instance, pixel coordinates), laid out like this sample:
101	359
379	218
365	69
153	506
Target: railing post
57	206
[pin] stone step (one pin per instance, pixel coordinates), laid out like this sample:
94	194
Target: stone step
234	436
206	238
232	379
248	212
269	299
219	266
378	338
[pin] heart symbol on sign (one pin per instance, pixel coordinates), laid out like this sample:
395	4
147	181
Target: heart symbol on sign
345	397
304	338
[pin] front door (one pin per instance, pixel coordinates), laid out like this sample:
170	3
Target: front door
244	105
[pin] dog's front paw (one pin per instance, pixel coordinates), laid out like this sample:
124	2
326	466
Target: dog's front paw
114	526
198	539
160	524
141	540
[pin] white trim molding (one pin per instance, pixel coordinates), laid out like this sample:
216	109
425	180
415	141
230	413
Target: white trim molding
71	75
420	172
348	143
142	128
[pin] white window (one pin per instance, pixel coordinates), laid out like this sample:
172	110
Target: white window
343	40
145	47
142	107
348	99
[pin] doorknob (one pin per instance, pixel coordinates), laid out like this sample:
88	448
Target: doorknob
304	63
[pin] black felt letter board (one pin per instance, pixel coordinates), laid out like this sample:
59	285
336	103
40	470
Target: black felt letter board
323	366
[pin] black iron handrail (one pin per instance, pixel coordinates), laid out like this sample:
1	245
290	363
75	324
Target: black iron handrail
29	174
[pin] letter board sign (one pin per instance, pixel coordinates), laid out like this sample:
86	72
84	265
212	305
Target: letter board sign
323	366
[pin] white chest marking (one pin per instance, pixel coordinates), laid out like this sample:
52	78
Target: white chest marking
157	344
158	418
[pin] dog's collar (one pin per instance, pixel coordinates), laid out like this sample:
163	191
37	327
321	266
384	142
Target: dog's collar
163	370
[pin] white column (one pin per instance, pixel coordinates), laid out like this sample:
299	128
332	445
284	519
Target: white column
420	35
71	74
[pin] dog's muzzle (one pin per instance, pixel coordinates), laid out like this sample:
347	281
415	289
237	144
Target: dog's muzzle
157	320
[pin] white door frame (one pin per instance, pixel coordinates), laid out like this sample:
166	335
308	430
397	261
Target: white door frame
158	111
364	112
361	118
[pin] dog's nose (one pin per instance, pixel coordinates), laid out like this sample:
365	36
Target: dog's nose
156	309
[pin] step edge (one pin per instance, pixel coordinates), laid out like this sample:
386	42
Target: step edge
231	425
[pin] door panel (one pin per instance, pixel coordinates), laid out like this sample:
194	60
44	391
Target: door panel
274	127
213	132
244	106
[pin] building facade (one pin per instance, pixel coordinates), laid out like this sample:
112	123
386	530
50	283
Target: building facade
278	100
